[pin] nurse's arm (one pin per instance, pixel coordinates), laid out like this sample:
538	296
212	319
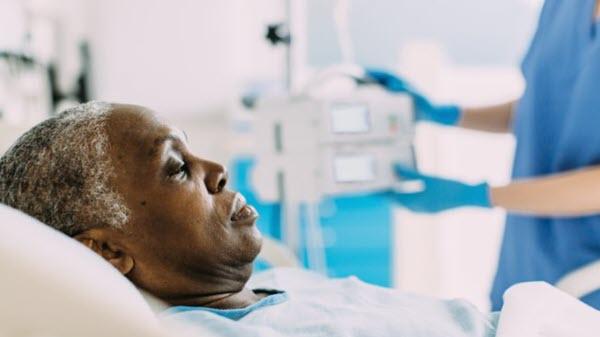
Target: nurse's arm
572	193
497	118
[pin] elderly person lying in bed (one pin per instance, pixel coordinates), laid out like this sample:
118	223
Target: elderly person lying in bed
125	184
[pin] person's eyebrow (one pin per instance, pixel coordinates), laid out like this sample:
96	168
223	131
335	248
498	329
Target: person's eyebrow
158	142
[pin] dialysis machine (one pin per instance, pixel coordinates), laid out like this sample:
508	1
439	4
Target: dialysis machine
308	147
321	156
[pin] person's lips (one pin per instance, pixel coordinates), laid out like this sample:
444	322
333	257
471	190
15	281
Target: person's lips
241	212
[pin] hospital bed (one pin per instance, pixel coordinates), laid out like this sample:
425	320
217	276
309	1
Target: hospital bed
50	285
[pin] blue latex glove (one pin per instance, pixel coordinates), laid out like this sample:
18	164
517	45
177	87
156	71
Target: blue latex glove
439	194
425	110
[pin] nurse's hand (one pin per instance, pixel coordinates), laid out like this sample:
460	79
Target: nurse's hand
425	110
438	194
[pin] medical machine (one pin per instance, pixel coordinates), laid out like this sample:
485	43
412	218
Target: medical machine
328	143
345	144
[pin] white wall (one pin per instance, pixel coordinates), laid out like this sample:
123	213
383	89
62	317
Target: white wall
180	57
473	32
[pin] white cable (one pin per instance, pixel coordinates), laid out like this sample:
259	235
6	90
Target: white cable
337	71
315	247
341	18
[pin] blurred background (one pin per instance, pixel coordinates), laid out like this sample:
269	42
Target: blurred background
192	61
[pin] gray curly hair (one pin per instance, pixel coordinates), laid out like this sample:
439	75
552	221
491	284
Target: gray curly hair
59	171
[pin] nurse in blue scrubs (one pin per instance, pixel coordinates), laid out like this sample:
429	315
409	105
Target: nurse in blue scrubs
553	203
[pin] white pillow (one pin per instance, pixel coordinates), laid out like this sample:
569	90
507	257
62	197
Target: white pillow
538	309
52	285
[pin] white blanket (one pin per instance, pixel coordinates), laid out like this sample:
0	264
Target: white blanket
318	306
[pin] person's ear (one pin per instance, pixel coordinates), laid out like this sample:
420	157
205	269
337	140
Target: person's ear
101	241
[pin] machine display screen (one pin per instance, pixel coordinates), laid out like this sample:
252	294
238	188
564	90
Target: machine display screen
350	118
354	168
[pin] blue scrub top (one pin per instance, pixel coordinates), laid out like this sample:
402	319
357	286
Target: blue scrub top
557	126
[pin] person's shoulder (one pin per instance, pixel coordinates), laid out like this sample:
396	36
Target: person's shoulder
551	8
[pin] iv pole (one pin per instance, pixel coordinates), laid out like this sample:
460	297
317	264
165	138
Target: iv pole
291	210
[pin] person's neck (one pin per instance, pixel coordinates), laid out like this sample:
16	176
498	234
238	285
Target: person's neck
231	300
220	291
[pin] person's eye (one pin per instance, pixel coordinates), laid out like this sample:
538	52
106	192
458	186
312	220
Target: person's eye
178	171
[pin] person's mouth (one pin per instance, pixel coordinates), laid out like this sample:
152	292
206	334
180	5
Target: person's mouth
241	212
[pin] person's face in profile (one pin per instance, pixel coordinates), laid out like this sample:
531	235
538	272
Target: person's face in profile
187	232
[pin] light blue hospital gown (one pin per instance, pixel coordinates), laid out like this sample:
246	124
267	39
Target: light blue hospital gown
313	305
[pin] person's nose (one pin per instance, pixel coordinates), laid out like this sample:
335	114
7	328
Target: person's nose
215	177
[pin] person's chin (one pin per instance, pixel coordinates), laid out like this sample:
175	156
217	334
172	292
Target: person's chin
256	239
249	243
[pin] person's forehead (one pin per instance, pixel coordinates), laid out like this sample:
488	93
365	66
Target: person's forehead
136	123
134	118
136	126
